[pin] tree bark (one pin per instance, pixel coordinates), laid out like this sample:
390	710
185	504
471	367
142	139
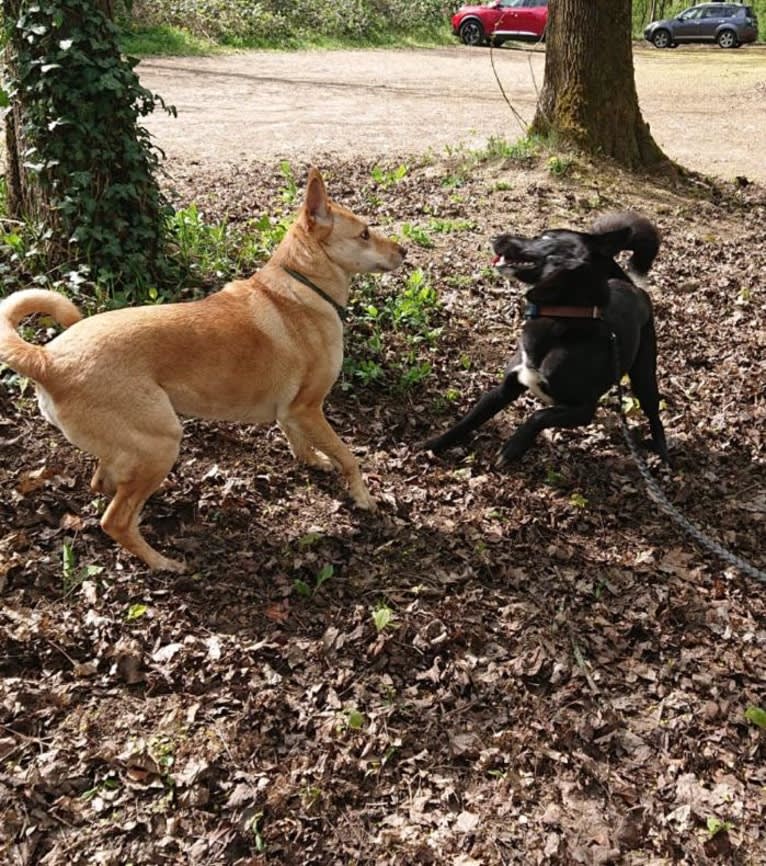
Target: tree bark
589	97
15	203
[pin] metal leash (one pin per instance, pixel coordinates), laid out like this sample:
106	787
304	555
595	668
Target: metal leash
662	500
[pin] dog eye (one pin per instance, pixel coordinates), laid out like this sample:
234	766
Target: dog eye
365	235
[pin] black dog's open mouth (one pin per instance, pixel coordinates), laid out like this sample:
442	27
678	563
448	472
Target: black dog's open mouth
515	266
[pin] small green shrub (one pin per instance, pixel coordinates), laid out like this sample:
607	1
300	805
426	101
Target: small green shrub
559	165
210	253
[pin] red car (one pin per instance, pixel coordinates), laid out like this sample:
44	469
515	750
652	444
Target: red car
500	20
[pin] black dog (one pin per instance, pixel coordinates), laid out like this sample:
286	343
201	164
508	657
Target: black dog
583	308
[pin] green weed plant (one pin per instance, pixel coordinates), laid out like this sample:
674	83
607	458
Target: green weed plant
390	341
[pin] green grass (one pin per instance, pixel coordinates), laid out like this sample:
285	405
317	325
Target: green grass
165	41
175	41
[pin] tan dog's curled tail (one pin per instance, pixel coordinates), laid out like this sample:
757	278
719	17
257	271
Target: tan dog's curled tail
25	358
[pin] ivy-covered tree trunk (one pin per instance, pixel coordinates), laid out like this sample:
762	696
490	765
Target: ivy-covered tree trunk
589	97
21	201
81	170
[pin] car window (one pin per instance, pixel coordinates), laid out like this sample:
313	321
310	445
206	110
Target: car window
691	14
714	12
507	4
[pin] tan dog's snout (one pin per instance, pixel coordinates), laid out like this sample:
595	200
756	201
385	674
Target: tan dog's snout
394	253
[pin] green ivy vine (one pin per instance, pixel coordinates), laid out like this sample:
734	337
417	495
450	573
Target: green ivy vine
79	104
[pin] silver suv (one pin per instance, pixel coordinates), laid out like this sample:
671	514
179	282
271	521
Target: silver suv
728	24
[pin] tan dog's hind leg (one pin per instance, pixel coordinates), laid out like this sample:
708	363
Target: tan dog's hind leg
101	481
137	444
310	425
302	449
121	518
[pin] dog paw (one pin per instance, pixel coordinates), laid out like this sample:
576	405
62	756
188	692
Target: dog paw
319	461
502	461
510	453
435	445
363	500
661	450
164	563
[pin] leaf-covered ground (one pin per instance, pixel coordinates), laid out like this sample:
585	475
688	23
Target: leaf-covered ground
530	667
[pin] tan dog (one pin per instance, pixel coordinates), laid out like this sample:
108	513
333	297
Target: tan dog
263	349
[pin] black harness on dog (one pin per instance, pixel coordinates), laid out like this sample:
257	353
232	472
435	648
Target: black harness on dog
341	311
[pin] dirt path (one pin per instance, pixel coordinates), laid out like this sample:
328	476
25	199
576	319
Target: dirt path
705	106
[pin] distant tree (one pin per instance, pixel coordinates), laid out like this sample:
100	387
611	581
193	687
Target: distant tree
589	97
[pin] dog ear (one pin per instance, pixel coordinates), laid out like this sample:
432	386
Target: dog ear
316	205
610	243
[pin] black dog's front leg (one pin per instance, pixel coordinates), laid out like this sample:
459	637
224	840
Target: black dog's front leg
553	416
487	407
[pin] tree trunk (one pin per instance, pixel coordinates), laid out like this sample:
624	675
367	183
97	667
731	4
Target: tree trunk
19	200
24	198
589	97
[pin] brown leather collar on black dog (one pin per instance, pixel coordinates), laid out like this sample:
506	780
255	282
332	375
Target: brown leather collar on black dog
535	311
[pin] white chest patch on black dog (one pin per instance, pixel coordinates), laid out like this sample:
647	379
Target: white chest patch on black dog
532	378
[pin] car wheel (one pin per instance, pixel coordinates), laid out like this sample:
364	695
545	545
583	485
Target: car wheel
661	39
727	39
471	32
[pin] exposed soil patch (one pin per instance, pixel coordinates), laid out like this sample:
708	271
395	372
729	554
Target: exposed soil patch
565	678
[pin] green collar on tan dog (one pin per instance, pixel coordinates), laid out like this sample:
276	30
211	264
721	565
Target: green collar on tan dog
341	311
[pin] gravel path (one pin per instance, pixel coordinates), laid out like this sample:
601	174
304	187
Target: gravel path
705	106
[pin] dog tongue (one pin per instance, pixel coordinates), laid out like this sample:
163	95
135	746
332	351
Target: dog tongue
497	260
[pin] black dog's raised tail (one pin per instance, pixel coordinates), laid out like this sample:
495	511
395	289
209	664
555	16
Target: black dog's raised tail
643	240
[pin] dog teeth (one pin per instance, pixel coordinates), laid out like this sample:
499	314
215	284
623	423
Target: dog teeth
513	264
